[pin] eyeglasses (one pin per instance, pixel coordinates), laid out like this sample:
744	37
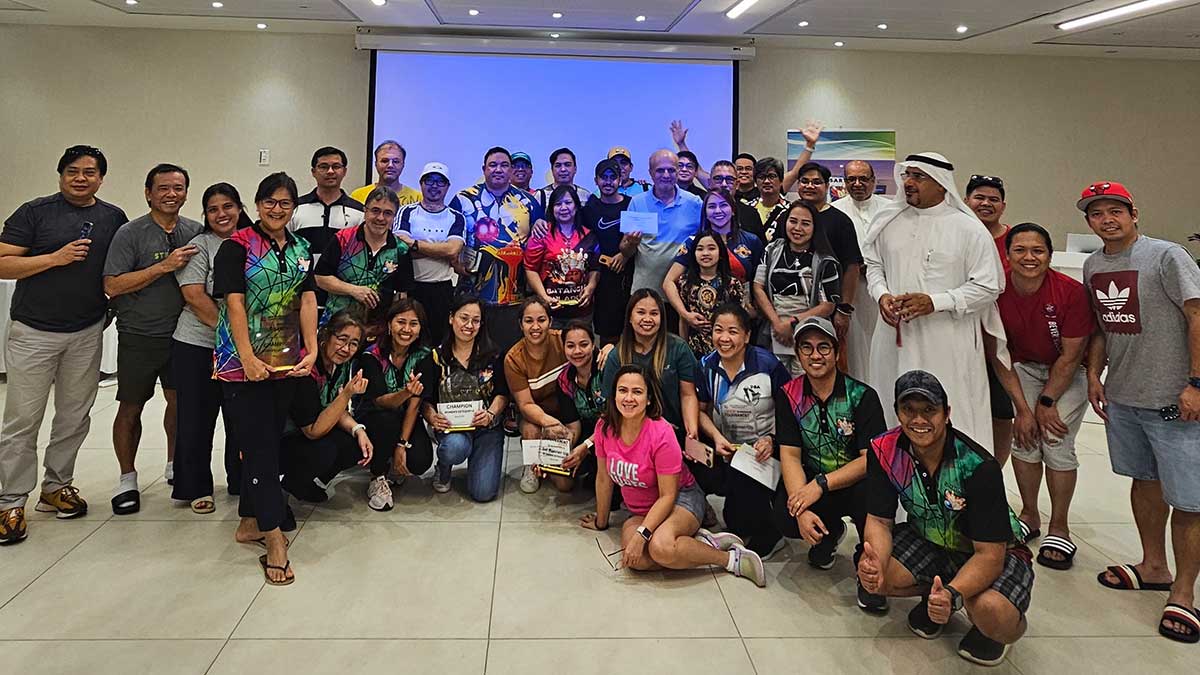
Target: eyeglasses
824	349
686	166
918	177
436	182
987	179
859	179
607	556
812	181
330	167
376	212
469	321
346	341
768	176
284	204
722	179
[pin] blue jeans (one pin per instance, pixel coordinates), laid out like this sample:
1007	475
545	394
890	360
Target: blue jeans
485	450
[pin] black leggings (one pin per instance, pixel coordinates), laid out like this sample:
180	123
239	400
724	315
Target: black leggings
830	508
257	413
198	398
748	511
305	461
383	427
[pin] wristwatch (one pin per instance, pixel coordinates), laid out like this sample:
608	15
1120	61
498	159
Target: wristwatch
844	308
1194	381
402	443
956	598
645	532
822	482
1046	401
416	245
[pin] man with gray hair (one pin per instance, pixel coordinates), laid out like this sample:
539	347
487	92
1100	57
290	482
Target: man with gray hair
861	205
933	270
678	218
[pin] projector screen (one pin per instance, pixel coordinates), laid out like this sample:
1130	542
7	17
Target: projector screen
451	108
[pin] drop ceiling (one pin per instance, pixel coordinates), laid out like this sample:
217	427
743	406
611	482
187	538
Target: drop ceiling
988	26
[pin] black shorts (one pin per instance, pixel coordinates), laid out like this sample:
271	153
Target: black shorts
925	560
1002	405
608	304
141	361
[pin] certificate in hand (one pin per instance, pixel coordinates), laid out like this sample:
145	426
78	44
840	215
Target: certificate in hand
767	472
548	454
645	222
461	414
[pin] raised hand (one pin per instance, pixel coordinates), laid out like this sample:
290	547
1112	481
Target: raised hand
679	134
939	602
811	131
869	574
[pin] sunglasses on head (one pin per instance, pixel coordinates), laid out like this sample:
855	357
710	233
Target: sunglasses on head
987	179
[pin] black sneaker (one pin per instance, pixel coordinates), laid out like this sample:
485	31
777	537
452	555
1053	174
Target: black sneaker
920	623
870	602
823	554
979	648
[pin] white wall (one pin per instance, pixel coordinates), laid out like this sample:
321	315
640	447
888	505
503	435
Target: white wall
206	100
209	100
1048	126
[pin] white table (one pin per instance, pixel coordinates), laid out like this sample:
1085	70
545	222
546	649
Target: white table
108	354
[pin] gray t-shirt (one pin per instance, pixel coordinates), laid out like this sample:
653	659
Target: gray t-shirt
199	270
138	244
1138	296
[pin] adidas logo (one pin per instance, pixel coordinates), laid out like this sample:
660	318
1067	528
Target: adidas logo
1115	299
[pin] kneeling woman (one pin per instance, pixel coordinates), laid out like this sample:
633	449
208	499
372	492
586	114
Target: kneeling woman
397	373
532	367
470	369
637	450
312	455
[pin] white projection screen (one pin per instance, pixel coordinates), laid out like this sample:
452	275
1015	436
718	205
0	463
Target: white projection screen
452	107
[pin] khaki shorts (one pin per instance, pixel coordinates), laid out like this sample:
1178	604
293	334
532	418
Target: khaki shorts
1057	454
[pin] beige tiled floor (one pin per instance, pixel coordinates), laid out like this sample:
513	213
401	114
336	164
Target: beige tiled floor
442	585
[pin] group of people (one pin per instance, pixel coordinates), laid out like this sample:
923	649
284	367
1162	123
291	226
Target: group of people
798	358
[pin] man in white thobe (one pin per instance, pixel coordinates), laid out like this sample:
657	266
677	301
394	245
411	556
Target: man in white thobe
933	269
861	205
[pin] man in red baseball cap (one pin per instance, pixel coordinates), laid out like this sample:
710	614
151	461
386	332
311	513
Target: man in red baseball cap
1146	295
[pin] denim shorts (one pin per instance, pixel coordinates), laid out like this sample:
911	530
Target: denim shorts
1141	445
691	499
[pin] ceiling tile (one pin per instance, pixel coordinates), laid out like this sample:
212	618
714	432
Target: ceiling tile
905	19
311	10
576	14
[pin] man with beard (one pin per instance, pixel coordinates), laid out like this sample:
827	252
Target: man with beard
602	216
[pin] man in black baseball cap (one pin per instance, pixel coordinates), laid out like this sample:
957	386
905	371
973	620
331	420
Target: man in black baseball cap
602	215
961	545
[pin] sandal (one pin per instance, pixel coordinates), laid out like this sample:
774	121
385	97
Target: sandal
129	501
203	505
1027	534
1130	580
1180	614
262	560
1065	546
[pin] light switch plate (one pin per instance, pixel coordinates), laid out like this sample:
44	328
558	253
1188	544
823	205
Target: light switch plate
264	157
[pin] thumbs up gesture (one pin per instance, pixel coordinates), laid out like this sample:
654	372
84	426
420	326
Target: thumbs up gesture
939	602
869	574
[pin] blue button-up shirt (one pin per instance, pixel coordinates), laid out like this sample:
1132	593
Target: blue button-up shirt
677	221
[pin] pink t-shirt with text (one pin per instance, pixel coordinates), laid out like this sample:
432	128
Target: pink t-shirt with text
635	468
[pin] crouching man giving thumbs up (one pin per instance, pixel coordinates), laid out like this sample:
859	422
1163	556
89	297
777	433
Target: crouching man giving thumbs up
959	548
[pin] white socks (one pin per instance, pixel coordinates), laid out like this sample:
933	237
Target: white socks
128	482
732	564
169	472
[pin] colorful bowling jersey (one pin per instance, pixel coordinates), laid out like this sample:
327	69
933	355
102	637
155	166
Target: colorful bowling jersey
348	258
384	377
830	433
272	279
497	228
961	503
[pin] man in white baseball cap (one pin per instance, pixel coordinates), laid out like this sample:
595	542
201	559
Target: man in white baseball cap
435	235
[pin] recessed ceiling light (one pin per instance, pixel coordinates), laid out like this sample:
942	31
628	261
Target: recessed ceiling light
262	26
131	2
473	12
640	18
379	3
554	35
961	29
803	24
1113	13
557	15
218	5
882	26
740	8
839	43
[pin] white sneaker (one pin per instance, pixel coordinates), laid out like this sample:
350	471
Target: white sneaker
379	494
722	541
529	481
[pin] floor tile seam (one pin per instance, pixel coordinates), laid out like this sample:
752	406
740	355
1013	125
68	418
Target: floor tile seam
51	565
495	569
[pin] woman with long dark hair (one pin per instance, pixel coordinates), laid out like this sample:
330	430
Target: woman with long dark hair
266	339
637	450
397	373
532	367
705	284
470	369
561	266
799	277
198	395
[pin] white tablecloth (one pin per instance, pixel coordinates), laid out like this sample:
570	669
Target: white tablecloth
108	356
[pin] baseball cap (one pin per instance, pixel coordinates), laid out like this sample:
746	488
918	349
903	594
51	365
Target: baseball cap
608	165
521	157
920	383
1104	190
818	323
619	150
435	167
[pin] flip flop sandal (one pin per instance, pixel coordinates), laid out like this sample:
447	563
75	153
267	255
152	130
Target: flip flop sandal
262	560
129	501
1028	534
262	541
1180	614
1065	546
203	505
1130	580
